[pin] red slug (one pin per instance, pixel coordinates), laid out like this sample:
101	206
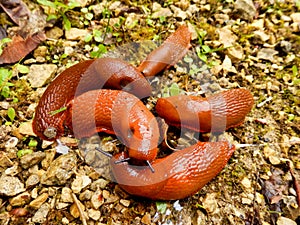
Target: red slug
176	176
116	112
213	114
168	54
76	100
84	76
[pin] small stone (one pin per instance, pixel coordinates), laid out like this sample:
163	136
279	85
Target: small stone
105	194
12	142
41	214
36	203
249	78
32	180
259	24
39	75
32	159
267	54
61	205
245	9
246	183
60	170
80	182
226	37
76	34
235	53
97	199
86	195
160	11
26	129
125	202
210	203
20	199
74	210
100	183
227	65
66	195
261	35
41	51
54	33
295	17
146	219
50	155
94	214
10	186
247	201
285	221
179	13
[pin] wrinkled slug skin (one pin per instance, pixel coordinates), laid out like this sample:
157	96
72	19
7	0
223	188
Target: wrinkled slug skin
176	176
168	54
82	77
119	113
215	113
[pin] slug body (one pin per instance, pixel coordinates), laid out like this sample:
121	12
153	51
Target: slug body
115	112
168	54
80	78
176	176
216	113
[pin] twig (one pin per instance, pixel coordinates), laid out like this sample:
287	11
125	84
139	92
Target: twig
81	213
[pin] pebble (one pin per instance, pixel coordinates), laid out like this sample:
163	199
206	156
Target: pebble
267	54
94	214
26	129
100	183
80	182
41	199
32	159
50	155
285	221
76	34
235	53
146	219
246	9
10	186
12	142
85	195
210	203
160	11
54	33
246	183
261	36
39	75
295	17
178	13
97	199
40	215
125	202
20	199
32	180
60	170
66	195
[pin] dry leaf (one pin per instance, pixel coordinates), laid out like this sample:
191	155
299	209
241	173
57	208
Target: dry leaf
15	9
19	47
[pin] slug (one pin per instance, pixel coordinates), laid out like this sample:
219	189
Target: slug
168	54
216	113
176	176
115	112
48	122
